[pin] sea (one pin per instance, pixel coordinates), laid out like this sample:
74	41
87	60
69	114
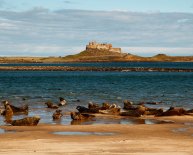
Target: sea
80	87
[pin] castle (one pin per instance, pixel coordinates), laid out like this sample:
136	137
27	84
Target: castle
103	46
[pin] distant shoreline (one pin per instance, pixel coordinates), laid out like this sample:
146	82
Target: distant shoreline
101	69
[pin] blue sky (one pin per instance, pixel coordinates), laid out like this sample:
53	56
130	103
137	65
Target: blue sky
62	27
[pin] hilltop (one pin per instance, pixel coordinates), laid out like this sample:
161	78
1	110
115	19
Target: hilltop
96	52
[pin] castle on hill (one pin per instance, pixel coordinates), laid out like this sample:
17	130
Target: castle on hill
103	46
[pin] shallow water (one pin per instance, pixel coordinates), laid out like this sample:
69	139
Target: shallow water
2	131
78	88
84	133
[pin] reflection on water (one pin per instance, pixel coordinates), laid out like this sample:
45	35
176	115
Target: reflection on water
2	131
129	121
83	133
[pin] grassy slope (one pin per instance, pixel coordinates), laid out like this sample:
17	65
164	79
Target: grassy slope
95	56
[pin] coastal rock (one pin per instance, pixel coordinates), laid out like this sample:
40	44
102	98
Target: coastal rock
79	116
28	121
51	105
57	114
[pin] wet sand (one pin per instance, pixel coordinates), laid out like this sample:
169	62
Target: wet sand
176	138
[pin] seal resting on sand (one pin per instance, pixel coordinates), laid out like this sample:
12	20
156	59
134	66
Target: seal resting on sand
113	109
51	105
172	111
57	114
79	116
28	121
83	109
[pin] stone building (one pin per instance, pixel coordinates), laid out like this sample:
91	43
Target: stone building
103	46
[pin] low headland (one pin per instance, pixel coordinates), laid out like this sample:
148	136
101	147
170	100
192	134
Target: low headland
96	52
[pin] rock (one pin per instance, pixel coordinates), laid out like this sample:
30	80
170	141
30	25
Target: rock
57	114
28	121
79	116
62	102
51	105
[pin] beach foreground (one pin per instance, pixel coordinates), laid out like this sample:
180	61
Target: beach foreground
175	138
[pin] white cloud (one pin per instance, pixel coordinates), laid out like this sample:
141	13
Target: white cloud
43	32
151	51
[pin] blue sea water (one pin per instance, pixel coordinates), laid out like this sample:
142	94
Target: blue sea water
37	87
185	65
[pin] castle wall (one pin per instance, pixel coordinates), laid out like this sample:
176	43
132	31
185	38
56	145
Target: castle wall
94	45
117	50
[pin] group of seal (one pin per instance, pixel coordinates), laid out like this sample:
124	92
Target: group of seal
11	110
129	109
88	113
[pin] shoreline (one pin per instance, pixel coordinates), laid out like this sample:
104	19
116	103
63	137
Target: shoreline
101	69
128	139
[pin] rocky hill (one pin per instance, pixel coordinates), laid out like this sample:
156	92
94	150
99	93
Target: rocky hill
96	52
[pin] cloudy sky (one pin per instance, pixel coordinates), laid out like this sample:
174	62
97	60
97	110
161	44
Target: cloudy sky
62	27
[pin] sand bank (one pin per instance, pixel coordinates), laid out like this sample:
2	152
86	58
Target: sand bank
176	138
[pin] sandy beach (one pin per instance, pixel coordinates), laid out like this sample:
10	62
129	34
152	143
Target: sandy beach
174	138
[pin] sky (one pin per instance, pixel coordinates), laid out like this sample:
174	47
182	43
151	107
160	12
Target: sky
63	27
